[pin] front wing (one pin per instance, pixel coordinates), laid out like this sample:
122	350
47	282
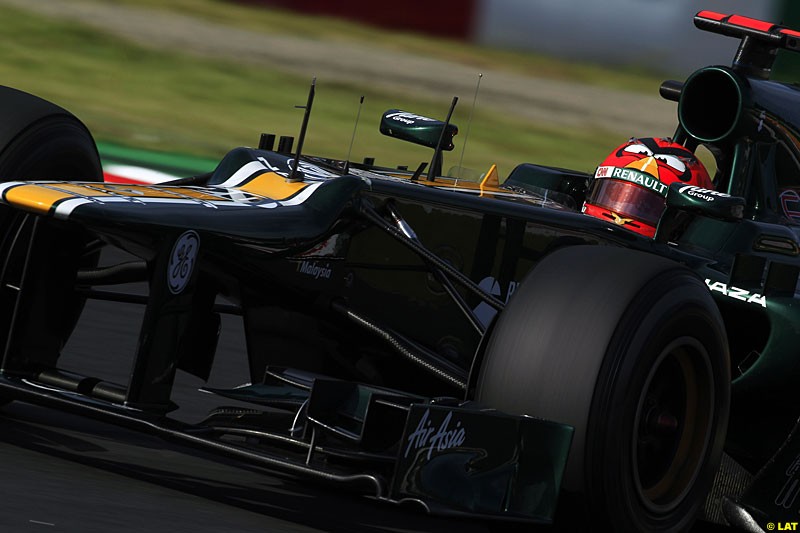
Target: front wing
448	457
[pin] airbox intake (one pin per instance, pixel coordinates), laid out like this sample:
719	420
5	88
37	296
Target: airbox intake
712	104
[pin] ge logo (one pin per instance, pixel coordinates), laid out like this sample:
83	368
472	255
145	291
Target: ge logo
181	261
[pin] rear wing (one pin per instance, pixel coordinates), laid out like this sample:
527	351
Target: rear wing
760	40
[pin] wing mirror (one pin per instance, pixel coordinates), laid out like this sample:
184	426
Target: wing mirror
685	201
417	129
705	202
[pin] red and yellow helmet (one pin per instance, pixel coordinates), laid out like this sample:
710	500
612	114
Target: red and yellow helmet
630	185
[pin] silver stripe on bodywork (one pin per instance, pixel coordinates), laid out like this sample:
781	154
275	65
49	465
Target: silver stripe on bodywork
64	209
244	173
9	185
303	195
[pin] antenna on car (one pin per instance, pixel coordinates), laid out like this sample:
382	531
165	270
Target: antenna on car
295	174
353	138
469	123
436	162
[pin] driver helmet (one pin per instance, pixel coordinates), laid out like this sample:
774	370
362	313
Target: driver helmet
630	185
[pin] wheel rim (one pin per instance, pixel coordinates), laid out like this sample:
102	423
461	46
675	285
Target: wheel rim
672	425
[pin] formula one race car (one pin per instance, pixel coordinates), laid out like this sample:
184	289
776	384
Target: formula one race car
476	348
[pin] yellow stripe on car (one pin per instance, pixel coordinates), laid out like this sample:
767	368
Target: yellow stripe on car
35	198
273	186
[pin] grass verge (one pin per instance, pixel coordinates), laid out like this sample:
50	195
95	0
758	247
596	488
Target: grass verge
173	102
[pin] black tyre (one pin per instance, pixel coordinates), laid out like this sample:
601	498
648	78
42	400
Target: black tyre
39	140
630	349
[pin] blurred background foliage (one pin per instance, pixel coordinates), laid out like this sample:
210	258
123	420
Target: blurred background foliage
171	100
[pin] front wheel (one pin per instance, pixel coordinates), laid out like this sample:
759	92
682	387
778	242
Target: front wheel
630	349
40	140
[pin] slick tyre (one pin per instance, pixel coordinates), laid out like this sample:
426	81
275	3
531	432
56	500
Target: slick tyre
40	140
630	349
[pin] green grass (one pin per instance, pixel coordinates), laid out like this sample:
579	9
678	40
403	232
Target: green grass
173	102
632	78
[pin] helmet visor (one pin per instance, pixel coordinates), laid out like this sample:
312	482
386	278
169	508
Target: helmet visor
628	200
